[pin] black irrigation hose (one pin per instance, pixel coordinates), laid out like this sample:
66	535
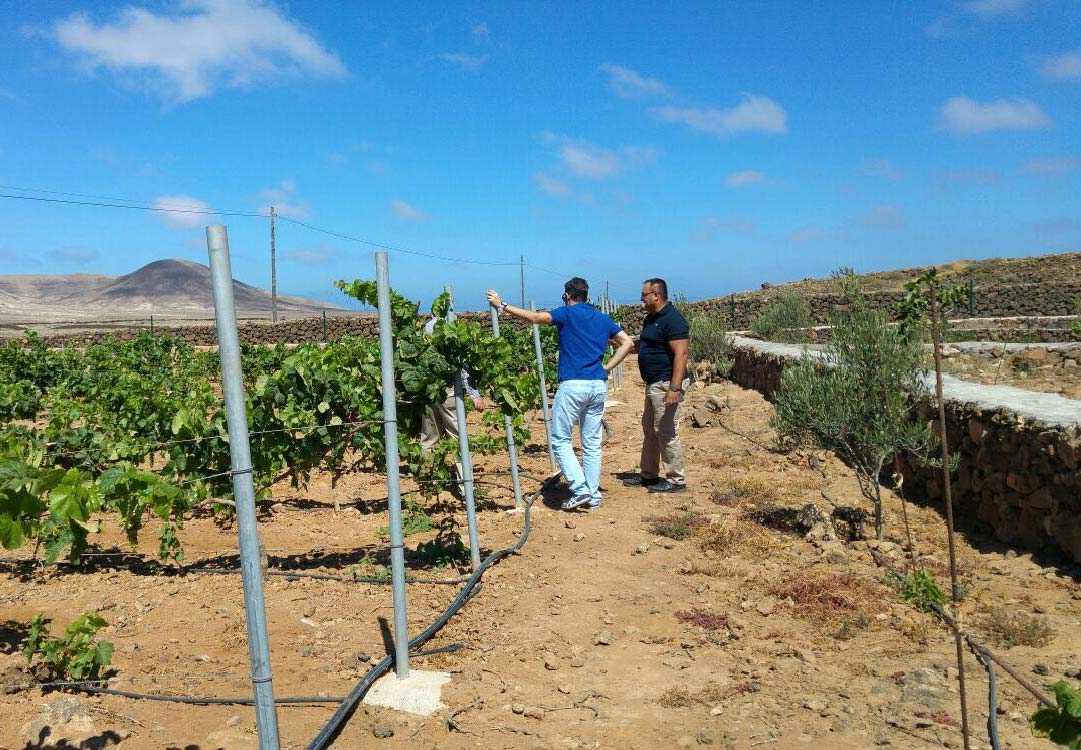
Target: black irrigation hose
195	700
983	655
199	700
992	696
236	571
345	710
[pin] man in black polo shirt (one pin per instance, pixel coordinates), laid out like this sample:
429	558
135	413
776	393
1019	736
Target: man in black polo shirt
662	361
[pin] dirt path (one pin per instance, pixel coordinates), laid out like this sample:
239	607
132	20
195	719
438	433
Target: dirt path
602	633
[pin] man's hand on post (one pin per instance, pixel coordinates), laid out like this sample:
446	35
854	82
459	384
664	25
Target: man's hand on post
493	298
482	404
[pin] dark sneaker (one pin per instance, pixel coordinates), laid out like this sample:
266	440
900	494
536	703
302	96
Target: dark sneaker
576	502
640	481
665	486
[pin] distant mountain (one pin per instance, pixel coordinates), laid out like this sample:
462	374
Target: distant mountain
164	286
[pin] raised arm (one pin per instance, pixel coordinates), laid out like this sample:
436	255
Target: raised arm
530	316
624	343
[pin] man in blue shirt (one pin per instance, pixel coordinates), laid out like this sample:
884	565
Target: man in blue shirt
584	333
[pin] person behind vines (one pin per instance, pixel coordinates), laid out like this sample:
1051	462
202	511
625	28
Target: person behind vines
441	421
584	333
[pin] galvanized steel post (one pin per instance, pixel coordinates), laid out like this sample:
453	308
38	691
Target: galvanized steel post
232	379
512	450
543	389
394	495
466	459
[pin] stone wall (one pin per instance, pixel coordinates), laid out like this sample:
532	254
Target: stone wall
1007	300
301	330
1020	453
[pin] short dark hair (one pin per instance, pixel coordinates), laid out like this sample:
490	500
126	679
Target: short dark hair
659	286
577	289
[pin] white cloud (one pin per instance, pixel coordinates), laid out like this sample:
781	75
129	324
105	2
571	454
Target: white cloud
466	62
283	199
587	160
753	113
336	158
407	211
479	33
806	234
203	45
963	115
1052	166
885	216
315	256
377	167
1066	67
631	85
882	168
749	177
182	212
75	254
711	226
551	185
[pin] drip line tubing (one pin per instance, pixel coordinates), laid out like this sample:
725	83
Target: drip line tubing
469	590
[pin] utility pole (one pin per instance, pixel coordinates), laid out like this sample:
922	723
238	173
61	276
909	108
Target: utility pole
273	273
521	269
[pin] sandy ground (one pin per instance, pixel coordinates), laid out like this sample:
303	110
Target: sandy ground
601	633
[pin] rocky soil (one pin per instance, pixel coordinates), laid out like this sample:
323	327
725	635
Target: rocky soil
729	617
1034	369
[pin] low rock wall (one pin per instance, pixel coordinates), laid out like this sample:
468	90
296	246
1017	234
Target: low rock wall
299	331
1000	301
1020	453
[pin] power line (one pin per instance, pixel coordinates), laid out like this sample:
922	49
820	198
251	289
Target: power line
161	209
147	206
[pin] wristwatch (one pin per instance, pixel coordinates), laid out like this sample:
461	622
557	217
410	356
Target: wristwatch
675	388
503	307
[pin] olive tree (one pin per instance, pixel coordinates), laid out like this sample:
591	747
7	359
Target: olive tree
859	399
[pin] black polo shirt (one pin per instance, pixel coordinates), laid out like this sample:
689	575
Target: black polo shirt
655	357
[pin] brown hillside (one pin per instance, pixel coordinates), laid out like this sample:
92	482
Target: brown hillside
1063	268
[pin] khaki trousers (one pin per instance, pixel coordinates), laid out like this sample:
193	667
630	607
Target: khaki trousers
438	423
662	449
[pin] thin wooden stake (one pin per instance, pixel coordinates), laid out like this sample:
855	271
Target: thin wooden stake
954	589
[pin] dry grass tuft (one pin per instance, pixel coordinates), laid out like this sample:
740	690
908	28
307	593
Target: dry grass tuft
680	697
829	597
676	526
734	535
703	618
1015	628
741	490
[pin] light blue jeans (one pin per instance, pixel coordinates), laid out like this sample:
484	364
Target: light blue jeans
579	402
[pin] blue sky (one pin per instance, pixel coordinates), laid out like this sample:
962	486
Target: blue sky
717	145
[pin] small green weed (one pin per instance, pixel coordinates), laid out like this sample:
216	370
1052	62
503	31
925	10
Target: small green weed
850	627
415	519
446	549
920	590
1014	628
76	656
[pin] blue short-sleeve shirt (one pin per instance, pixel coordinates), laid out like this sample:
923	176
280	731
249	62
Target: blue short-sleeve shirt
584	332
